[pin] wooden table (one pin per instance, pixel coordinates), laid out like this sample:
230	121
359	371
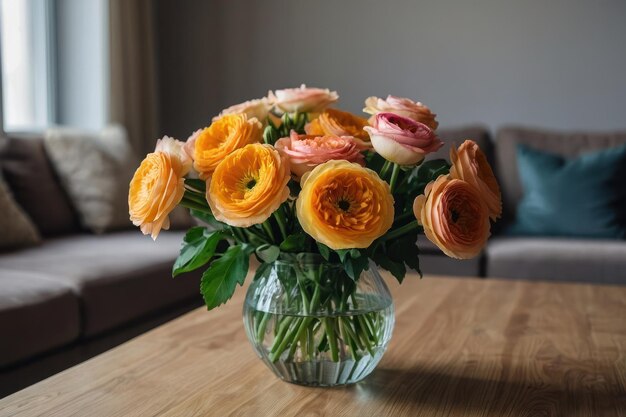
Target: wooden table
461	347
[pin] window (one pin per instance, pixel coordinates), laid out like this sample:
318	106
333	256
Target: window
25	47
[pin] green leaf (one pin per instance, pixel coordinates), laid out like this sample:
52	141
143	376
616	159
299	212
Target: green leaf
196	183
343	253
354	266
397	269
405	250
221	278
294	243
207	218
198	248
268	253
324	250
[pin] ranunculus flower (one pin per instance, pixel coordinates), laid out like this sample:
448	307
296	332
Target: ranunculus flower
470	164
258	108
305	152
303	99
158	186
249	185
402	140
402	107
344	205
454	216
225	135
338	123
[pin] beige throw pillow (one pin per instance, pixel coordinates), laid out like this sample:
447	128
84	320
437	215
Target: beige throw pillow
16	229
95	169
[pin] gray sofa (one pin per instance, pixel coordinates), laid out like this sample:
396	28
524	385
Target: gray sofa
533	258
76	294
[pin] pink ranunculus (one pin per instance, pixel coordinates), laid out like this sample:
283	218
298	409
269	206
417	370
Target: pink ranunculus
401	140
305	152
402	107
258	108
303	99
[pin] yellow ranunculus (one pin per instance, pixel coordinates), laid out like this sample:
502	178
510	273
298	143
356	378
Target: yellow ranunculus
225	135
158	186
338	123
344	205
249	185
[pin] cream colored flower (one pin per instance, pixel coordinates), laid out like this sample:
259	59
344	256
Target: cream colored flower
303	99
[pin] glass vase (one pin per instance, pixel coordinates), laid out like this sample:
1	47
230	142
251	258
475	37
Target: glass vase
313	325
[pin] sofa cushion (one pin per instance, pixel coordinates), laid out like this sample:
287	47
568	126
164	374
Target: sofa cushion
455	136
568	144
95	169
118	277
36	314
16	229
28	172
557	259
578	197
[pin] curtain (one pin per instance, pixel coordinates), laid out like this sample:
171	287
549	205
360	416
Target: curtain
133	95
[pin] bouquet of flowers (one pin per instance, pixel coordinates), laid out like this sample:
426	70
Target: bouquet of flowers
287	178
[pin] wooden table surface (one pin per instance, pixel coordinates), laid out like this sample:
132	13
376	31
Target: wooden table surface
461	347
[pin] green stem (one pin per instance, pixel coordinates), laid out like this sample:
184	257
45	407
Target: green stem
239	234
409	227
332	339
268	229
385	169
407	215
260	334
279	216
284	341
394	177
197	197
283	327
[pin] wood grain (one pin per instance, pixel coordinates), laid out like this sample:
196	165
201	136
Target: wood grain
461	347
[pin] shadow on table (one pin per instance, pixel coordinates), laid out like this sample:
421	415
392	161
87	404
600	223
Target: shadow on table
451	390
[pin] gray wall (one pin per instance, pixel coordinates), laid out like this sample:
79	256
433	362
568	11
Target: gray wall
556	64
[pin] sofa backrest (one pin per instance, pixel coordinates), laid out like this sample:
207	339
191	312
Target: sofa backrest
568	144
454	136
35	186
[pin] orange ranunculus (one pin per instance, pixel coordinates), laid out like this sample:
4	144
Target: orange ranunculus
334	122
158	186
344	205
225	135
249	185
470	164
454	216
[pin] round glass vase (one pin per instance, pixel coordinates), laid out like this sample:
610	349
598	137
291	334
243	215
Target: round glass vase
313	325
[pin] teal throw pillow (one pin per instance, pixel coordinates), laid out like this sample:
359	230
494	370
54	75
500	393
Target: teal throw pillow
580	197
